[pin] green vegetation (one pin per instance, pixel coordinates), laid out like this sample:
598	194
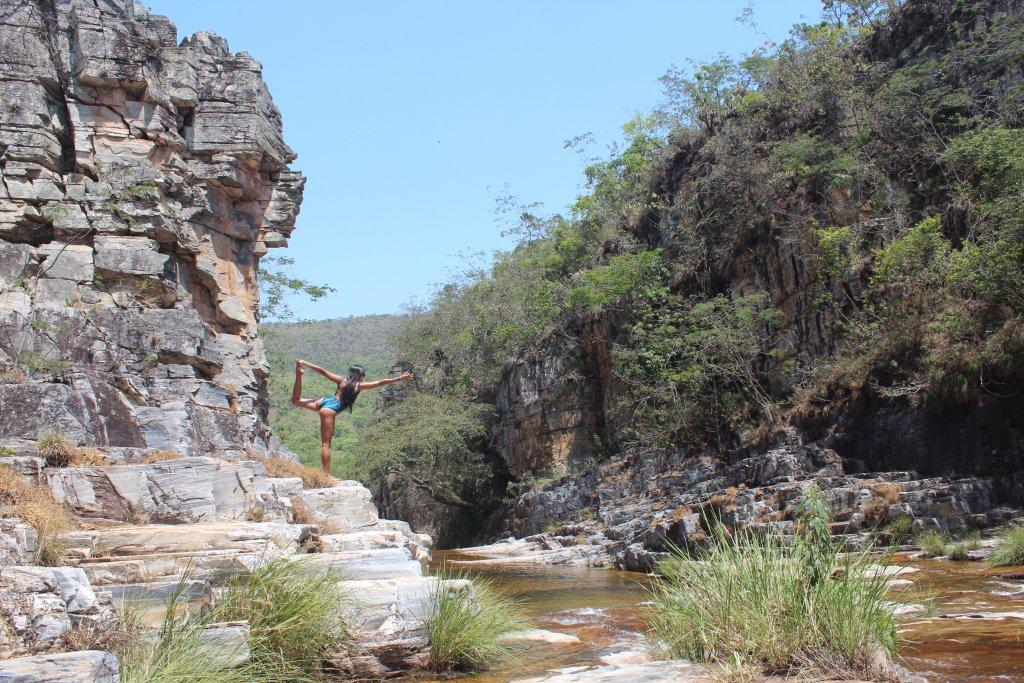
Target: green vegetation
332	344
892	186
778	604
296	616
688	368
465	625
296	621
900	528
1010	552
428	441
177	651
933	543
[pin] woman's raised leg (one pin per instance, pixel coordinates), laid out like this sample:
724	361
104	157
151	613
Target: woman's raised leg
297	399
326	435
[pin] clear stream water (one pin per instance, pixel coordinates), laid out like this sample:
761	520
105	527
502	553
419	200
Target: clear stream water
605	609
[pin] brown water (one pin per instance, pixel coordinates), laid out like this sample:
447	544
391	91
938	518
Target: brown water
604	608
966	650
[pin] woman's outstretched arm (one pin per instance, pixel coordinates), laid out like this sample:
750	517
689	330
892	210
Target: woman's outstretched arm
404	377
337	379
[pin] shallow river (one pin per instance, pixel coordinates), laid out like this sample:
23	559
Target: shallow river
603	607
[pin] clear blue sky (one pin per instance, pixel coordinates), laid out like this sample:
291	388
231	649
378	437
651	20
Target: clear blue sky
411	116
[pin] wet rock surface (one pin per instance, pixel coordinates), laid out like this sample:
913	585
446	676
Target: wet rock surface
657	672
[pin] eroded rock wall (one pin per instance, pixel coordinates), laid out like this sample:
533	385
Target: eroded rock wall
141	181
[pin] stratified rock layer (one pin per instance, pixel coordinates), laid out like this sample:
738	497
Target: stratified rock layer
141	181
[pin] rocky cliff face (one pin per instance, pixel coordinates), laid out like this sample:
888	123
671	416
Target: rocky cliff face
555	405
142	181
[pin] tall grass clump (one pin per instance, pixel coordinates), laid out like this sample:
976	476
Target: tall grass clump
56	449
35	505
466	626
932	543
176	652
1010	552
296	616
783	605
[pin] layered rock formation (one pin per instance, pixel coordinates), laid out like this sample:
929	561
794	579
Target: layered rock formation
142	181
631	513
178	530
948	463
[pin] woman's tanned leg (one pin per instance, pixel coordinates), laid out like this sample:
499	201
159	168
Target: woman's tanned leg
326	435
297	399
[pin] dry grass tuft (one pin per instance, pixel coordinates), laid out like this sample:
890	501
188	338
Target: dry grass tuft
256	513
59	451
36	506
56	449
88	457
882	497
160	456
301	514
312	478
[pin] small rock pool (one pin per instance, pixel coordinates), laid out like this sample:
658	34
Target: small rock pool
973	629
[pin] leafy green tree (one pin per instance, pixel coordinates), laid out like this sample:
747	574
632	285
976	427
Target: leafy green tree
277	284
433	444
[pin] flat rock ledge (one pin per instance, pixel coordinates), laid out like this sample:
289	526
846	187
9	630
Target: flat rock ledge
87	666
536	549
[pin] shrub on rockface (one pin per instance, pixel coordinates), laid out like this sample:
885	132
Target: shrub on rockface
35	505
690	369
433	444
56	449
778	604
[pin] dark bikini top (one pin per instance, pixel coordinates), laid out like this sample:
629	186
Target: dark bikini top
347	395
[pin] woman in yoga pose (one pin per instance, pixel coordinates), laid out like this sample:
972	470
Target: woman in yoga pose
343	399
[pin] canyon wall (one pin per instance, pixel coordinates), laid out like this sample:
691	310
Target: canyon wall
557	404
142	182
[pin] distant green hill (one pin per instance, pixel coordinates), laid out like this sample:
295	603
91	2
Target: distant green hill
332	344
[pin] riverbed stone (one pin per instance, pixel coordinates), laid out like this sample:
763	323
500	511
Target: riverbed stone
539	635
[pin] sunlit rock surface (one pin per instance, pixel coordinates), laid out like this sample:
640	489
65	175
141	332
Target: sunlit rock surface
141	181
